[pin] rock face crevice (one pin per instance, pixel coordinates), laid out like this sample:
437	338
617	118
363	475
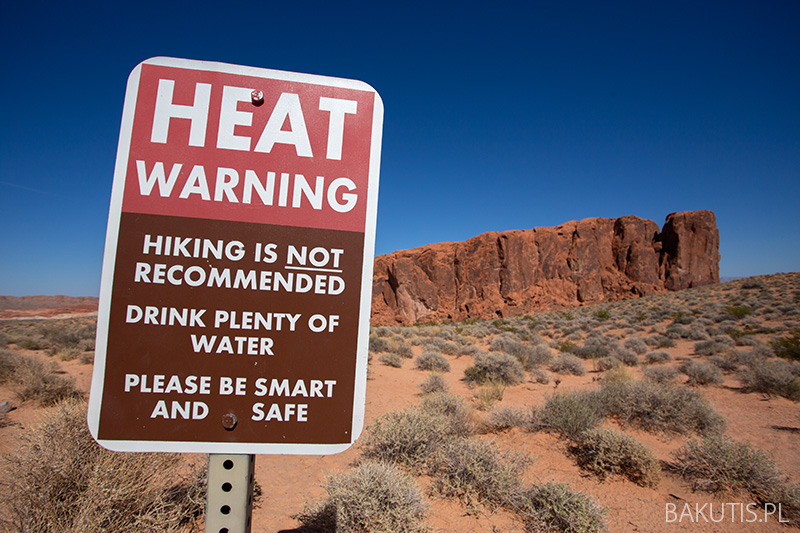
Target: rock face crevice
522	271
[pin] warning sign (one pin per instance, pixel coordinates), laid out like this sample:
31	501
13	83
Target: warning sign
235	299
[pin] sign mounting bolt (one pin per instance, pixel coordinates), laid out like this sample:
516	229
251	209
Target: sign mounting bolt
229	421
257	97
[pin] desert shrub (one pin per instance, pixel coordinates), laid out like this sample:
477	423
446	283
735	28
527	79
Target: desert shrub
391	359
660	374
787	347
658	407
540	375
567	364
509	343
607	363
772	377
591	351
61	480
496	366
726	363
556	507
405	437
737	311
373	496
570	414
433	383
713	346
718	464
432	361
9	361
697	333
541	354
475	472
398	346
504	418
28	343
636	344
626	356
489	394
657	357
659	341
40	381
378	344
565	346
607	452
456	412
381	331
705	373
602	314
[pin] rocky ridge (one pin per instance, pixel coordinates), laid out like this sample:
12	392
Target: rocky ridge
508	273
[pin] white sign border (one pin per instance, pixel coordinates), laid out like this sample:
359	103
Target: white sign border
109	263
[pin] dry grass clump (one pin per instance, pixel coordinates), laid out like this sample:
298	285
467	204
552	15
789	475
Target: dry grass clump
391	359
431	360
701	373
36	380
555	507
567	363
658	407
718	464
569	414
636	344
405	437
660	374
409	437
657	357
776	377
540	376
489	394
61	480
498	367
433	383
373	496
476	472
787	347
504	418
607	452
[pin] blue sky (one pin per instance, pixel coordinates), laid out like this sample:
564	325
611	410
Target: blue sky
498	115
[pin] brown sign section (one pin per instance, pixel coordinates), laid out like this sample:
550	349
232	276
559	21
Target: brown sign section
213	318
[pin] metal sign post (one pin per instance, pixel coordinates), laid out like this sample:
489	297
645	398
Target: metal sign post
229	503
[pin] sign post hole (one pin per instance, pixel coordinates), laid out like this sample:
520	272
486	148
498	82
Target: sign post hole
236	288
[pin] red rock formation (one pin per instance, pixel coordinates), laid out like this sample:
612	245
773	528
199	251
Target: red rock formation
514	272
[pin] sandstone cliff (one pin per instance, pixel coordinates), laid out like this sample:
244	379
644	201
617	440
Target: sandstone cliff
514	272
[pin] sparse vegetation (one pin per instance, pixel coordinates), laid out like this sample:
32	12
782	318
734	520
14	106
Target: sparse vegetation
476	472
607	452
787	347
61	480
659	407
570	414
373	496
718	464
495	367
432	361
433	383
556	507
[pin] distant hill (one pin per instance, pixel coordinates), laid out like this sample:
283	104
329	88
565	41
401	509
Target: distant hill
590	261
31	306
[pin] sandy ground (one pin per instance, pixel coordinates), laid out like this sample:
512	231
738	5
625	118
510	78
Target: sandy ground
289	482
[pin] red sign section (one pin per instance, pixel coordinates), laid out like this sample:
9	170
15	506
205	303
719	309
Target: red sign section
235	300
201	147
